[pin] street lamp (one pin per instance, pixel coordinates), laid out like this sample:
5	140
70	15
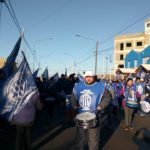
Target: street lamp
96	50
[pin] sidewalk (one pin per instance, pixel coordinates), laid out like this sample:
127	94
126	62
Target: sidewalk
127	140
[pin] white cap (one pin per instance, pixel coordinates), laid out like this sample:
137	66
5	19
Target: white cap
89	73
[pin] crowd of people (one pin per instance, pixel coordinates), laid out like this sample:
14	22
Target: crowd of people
88	98
101	96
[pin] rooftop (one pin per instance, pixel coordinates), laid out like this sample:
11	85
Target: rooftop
129	35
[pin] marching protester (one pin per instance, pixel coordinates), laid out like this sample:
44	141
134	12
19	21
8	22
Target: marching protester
114	105
19	101
129	91
89	97
119	87
24	121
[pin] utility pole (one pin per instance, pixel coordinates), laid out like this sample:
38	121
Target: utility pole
106	65
96	51
96	54
110	66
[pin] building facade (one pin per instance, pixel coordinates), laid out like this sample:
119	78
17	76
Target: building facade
124	44
134	59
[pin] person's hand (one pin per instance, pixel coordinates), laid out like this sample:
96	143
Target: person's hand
99	108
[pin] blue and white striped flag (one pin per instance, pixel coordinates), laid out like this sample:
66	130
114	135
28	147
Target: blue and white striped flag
17	91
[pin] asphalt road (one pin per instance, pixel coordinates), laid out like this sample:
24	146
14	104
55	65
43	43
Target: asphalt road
53	133
113	137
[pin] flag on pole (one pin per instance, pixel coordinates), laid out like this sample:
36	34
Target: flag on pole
45	74
9	65
55	77
65	72
81	79
17	91
35	73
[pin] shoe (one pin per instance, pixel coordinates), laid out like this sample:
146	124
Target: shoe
126	128
131	128
142	114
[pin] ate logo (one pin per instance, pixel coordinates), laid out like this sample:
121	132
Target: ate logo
85	99
140	89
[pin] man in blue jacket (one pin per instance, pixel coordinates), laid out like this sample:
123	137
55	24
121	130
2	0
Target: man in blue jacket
89	96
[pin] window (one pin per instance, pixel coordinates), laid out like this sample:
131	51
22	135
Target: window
129	63
121	46
135	63
121	57
148	25
139	44
145	60
120	66
128	44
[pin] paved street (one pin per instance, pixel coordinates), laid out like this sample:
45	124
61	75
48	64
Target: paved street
123	140
114	138
55	134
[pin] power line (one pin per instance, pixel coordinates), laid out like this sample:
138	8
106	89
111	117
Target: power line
140	35
124	29
129	26
85	59
86	53
52	14
0	15
19	27
14	17
108	49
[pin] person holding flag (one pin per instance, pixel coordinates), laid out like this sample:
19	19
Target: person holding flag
19	99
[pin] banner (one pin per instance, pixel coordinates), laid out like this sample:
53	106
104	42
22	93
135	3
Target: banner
17	91
8	68
45	74
35	73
